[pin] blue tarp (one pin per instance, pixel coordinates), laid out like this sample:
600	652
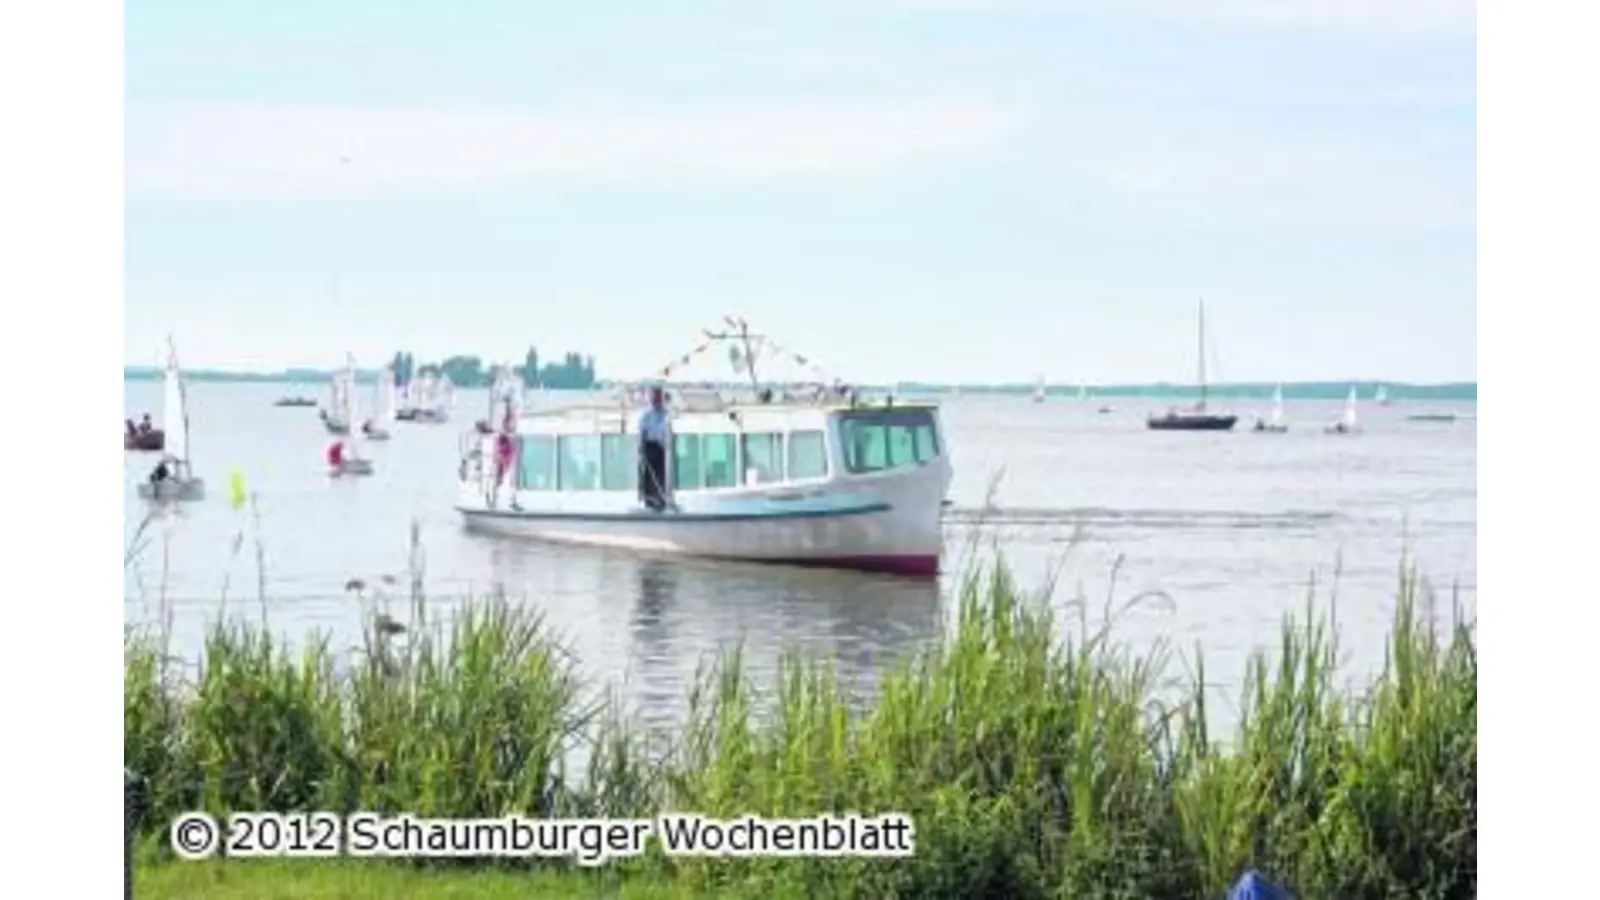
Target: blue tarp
1253	886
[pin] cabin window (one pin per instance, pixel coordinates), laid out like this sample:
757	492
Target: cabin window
763	458
866	445
536	463
888	439
619	462
808	455
719	454
580	462
927	440
686	461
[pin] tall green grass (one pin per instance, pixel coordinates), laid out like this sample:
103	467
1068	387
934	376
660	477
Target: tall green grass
1038	759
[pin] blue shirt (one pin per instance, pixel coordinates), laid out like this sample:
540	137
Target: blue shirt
653	425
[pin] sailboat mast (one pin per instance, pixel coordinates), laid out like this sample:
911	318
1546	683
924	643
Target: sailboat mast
183	399
1202	343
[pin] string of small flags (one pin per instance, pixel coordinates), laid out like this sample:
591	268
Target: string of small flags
762	343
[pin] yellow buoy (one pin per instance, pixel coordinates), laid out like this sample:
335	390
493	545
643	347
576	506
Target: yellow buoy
237	489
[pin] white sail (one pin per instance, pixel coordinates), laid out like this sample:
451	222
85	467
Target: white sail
383	407
350	412
1381	395
1350	409
335	395
174	414
1083	392
1038	390
1277	404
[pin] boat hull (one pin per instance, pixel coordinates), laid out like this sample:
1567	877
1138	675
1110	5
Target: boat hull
884	523
148	442
1192	422
869	537
351	467
173	489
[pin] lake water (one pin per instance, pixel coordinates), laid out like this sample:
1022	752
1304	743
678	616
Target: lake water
1231	527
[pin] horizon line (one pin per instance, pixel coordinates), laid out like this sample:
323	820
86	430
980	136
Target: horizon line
291	374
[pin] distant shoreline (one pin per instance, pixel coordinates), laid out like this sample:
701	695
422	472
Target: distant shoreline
1305	390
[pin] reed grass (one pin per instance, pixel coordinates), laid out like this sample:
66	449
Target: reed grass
1038	758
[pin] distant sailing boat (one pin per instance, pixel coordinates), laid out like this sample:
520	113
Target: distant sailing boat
505	401
179	481
1197	419
383	407
1038	390
335	415
1274	424
1381	395
1347	423
353	459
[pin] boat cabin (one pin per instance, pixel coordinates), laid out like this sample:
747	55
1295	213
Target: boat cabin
735	448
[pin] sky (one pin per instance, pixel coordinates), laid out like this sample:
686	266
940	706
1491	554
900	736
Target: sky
934	190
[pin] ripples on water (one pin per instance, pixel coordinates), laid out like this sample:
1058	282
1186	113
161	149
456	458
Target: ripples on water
1231	527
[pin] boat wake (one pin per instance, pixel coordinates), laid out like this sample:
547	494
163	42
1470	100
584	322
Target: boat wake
1136	518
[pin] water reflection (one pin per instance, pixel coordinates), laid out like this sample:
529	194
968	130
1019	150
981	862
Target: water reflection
650	622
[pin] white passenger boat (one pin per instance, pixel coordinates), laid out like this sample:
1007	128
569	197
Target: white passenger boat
818	480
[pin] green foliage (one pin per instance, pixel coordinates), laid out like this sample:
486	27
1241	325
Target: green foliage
1035	760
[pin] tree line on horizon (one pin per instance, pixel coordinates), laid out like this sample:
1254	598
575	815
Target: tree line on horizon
575	371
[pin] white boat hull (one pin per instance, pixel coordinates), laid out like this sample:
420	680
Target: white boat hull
888	524
352	467
184	490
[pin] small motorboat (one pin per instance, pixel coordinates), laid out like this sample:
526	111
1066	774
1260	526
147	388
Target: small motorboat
151	441
294	401
1432	417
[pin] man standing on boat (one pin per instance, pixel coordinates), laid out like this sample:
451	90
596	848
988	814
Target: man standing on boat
654	432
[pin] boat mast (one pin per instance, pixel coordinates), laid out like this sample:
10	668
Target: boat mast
183	402
741	333
1202	378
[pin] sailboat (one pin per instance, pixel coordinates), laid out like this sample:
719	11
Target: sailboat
1347	423
336	414
1381	395
1198	418
174	478
505	400
1274	424
383	407
352	461
431	398
1038	390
